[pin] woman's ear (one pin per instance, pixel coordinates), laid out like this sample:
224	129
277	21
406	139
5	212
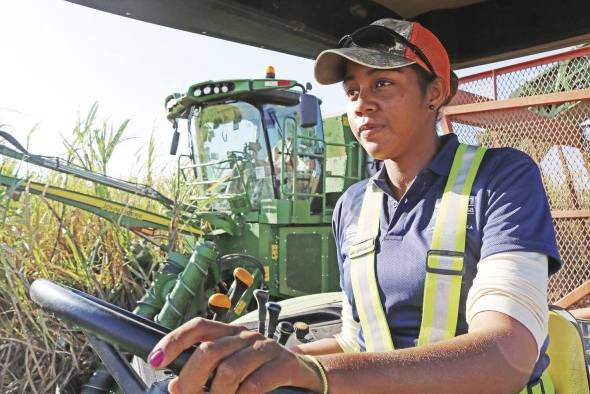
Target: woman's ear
436	93
454	87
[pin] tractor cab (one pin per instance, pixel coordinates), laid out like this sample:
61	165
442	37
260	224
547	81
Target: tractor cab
261	157
257	148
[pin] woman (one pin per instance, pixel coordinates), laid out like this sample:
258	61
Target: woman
396	75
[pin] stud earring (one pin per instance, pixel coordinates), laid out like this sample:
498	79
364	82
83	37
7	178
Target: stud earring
431	107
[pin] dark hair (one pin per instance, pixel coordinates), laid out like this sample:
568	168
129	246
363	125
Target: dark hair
424	77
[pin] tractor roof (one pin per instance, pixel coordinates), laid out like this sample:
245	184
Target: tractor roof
474	31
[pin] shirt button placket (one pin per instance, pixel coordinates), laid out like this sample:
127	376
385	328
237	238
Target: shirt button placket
392	207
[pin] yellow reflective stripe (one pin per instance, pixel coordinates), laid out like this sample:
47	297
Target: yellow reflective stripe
385	341
357	291
363	274
460	238
548	387
442	287
364	301
453	307
430	283
371	208
461	233
427	313
443	209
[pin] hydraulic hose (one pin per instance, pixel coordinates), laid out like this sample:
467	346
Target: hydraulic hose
187	285
101	382
228	258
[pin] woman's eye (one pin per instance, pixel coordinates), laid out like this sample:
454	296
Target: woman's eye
382	83
350	92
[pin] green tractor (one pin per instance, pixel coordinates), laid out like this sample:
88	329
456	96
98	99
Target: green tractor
260	156
259	183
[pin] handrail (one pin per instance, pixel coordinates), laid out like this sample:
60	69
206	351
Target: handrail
209	163
217	196
220	181
349	145
342	176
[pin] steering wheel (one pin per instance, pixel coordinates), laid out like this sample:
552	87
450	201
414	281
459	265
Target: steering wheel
108	328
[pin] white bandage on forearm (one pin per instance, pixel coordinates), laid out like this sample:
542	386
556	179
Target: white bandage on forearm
513	283
346	338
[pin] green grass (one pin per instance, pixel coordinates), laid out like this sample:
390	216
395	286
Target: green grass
42	238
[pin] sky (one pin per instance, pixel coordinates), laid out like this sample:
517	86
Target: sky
58	58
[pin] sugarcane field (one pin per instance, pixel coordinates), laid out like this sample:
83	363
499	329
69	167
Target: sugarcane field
223	196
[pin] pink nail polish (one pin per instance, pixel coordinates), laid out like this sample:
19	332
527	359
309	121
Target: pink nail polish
156	358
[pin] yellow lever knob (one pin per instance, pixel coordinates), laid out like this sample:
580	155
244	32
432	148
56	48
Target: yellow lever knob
243	276
219	300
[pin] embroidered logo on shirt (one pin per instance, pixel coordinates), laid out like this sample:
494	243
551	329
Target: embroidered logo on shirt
470	211
471	206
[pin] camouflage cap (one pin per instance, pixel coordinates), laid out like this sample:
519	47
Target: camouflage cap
408	43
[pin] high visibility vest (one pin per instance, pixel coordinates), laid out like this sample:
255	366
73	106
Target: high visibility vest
444	263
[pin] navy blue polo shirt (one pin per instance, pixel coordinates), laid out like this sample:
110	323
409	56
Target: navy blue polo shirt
508	211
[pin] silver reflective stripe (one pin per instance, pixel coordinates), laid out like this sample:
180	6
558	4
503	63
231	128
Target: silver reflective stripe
453	204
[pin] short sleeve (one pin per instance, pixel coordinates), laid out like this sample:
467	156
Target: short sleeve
517	215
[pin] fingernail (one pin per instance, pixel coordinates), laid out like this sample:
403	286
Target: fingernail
156	358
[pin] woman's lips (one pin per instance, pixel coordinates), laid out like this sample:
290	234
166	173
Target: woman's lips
368	129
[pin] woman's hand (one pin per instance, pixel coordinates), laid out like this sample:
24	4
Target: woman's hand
245	361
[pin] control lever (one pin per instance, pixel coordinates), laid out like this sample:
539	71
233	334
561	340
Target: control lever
301	330
273	309
285	330
174	145
242	281
261	300
219	304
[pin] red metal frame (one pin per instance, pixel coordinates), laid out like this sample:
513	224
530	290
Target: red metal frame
484	111
494	73
517	102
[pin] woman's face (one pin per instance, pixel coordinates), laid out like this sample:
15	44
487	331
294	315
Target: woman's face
387	110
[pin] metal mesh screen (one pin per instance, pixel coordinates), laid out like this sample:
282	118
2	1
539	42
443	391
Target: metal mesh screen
530	107
304	273
542	76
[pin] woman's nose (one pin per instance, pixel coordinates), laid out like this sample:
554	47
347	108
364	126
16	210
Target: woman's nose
365	102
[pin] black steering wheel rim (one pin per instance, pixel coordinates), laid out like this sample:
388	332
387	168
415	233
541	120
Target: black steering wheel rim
110	323
106	321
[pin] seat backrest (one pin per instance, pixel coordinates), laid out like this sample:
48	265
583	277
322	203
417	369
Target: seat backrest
568	368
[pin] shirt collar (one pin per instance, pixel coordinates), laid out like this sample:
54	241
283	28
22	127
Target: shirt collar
443	160
440	164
